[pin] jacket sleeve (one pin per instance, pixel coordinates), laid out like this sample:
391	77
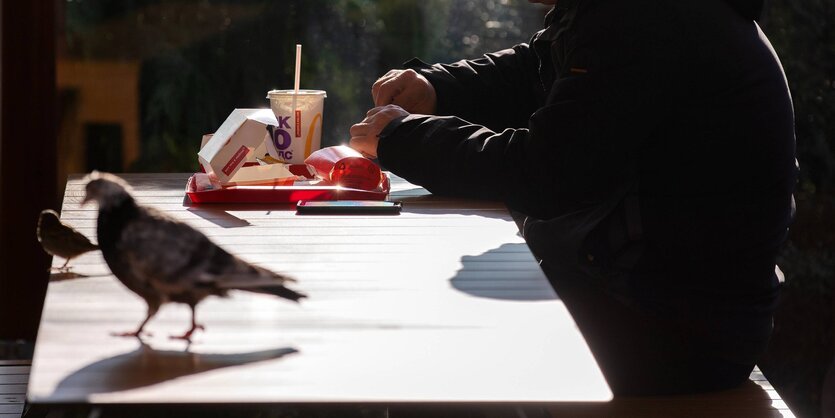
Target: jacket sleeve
499	90
615	87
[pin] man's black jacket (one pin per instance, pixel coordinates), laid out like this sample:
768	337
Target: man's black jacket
651	137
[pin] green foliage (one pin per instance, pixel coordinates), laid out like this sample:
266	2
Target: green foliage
803	33
803	342
201	59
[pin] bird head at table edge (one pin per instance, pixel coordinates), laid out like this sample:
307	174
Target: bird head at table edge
104	188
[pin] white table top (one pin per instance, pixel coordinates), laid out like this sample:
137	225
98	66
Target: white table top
442	303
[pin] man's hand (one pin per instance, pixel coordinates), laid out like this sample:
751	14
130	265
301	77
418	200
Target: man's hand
366	135
407	89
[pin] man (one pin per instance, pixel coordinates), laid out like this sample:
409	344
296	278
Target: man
650	146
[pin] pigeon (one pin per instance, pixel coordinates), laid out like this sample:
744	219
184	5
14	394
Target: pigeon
164	260
60	239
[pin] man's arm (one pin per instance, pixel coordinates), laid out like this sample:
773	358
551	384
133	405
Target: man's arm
499	90
618	85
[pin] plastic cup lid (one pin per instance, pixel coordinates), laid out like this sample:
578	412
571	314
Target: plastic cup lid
302	92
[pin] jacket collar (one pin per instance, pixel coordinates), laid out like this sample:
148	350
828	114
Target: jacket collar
559	9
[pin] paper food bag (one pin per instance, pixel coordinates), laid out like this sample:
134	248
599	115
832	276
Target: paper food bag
239	140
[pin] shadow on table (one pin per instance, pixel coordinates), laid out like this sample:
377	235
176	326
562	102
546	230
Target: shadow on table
219	217
146	366
469	207
62	276
508	272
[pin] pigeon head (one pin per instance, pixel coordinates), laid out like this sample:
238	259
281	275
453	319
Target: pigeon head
48	218
106	189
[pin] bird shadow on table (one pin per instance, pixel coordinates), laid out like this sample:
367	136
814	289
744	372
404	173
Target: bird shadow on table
146	366
508	272
62	276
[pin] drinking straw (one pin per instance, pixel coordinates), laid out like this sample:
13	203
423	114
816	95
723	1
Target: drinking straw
298	74
298	66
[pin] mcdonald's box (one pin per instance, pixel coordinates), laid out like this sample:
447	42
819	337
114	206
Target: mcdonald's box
247	146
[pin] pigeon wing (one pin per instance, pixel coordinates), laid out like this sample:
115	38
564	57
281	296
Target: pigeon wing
76	242
179	260
63	241
167	253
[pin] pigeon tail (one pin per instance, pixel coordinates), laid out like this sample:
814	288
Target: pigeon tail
278	290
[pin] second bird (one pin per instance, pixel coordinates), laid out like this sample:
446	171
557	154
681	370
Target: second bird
60	239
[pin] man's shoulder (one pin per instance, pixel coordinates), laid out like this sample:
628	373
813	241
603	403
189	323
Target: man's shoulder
634	14
619	29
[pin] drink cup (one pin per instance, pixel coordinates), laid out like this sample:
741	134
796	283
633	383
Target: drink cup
299	129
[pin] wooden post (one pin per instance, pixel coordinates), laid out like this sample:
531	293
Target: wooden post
27	159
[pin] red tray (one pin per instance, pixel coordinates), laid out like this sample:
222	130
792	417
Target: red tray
283	194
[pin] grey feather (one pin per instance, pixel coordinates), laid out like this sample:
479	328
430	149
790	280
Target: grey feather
165	260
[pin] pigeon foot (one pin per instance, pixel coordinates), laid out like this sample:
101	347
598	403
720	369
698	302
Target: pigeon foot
187	335
135	334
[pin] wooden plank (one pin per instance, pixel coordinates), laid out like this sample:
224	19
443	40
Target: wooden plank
12	398
597	412
12	389
12	409
411	224
15	363
8	379
756	398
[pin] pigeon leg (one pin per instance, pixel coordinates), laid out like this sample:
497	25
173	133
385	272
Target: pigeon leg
61	269
194	326
64	267
152	310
